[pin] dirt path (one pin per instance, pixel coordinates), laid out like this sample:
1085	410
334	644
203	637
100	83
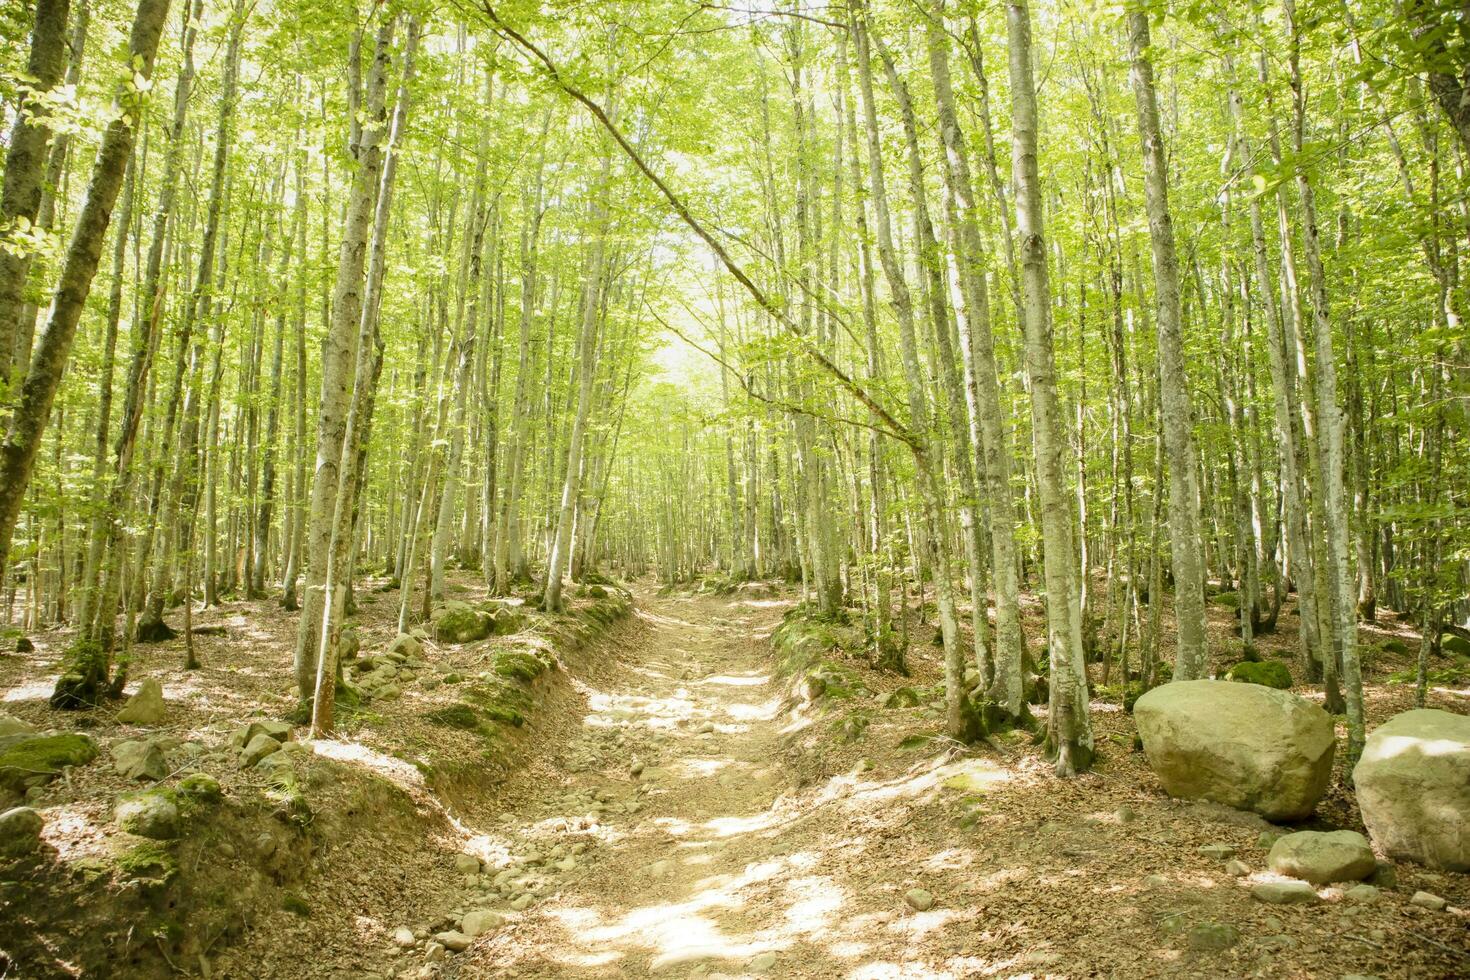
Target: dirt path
696	880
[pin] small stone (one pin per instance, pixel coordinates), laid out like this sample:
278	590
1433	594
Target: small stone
566	864
1156	881
1339	855
466	864
1237	869
1428	900
636	769
707	728
278	730
1267	840
258	748
1362	894
454	941
150	814
762	962
1284	892
1213	935
403	937
919	900
479	922
145	707
1124	815
1220	852
139	759
20	831
521	903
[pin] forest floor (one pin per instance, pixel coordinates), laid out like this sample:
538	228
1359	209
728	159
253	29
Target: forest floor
767	845
674	809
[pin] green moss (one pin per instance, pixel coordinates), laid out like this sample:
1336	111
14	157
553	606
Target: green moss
1457	645
457	622
505	715
903	697
801	641
296	905
833	681
29	757
200	786
150	860
459	715
1272	673
852	726
1231	599
519	666
1394	645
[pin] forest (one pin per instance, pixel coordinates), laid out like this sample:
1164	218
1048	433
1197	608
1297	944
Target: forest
716	488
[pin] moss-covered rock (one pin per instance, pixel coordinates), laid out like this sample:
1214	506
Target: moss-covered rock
200	786
33	760
520	665
903	697
1271	673
1230	599
459	622
832	681
149	861
505	715
1458	645
1394	645
153	814
852	725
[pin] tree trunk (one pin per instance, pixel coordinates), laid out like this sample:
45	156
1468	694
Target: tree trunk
1192	660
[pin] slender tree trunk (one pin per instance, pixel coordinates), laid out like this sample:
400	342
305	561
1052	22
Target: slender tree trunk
1192	660
339	354
1069	723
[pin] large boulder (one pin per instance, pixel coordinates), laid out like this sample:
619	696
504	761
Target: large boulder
1322	858
1244	745
146	706
1413	786
1271	673
11	725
